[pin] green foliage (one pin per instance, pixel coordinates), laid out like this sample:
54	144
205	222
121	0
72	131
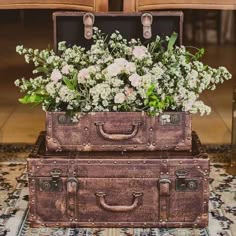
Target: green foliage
155	103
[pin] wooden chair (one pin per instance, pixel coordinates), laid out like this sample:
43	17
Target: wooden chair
147	5
82	5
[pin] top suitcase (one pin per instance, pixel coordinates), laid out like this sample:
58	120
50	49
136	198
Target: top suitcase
109	131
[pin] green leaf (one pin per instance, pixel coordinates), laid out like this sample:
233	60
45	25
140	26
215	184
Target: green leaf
75	80
68	83
25	99
172	41
31	99
42	69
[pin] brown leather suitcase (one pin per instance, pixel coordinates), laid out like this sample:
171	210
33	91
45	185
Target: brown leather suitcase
109	131
118	131
119	189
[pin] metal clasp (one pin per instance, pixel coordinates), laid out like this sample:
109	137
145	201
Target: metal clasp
54	184
88	20
146	20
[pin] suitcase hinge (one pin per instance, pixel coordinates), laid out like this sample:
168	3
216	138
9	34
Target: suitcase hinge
146	20
88	20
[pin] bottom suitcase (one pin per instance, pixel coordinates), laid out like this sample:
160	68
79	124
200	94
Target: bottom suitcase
114	189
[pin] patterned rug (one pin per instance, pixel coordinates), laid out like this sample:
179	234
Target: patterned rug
14	202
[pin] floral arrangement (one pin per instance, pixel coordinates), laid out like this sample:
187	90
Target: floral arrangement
119	75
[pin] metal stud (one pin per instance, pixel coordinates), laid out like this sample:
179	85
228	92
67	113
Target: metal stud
115	162
128	162
180	162
151	129
100	162
153	144
144	162
198	167
54	162
167	173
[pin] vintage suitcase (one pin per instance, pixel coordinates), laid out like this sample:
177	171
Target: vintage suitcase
111	131
119	189
117	131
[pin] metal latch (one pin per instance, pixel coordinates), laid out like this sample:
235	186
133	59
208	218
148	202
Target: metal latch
184	184
54	184
88	20
146	20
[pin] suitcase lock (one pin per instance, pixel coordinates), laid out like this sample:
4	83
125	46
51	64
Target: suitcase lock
53	185
184	184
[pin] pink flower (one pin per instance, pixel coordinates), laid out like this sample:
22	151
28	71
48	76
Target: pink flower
119	98
135	80
66	69
56	75
114	69
140	52
83	75
128	91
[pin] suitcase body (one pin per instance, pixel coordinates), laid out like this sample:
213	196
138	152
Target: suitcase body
118	131
119	189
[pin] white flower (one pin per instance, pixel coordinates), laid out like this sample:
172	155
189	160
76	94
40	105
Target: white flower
135	80
66	69
140	52
119	98
56	75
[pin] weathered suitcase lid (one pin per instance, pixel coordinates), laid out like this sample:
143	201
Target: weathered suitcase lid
197	151
69	26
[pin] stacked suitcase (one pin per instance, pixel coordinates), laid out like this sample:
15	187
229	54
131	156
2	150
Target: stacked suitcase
108	170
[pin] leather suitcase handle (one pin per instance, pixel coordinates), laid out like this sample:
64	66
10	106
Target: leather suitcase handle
71	188
117	137
104	205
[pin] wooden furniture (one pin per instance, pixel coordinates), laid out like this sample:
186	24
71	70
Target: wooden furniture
82	5
146	5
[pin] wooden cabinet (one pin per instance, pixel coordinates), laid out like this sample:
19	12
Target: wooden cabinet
146	5
82	5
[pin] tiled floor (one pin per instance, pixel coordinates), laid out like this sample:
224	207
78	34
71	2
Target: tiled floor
21	123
